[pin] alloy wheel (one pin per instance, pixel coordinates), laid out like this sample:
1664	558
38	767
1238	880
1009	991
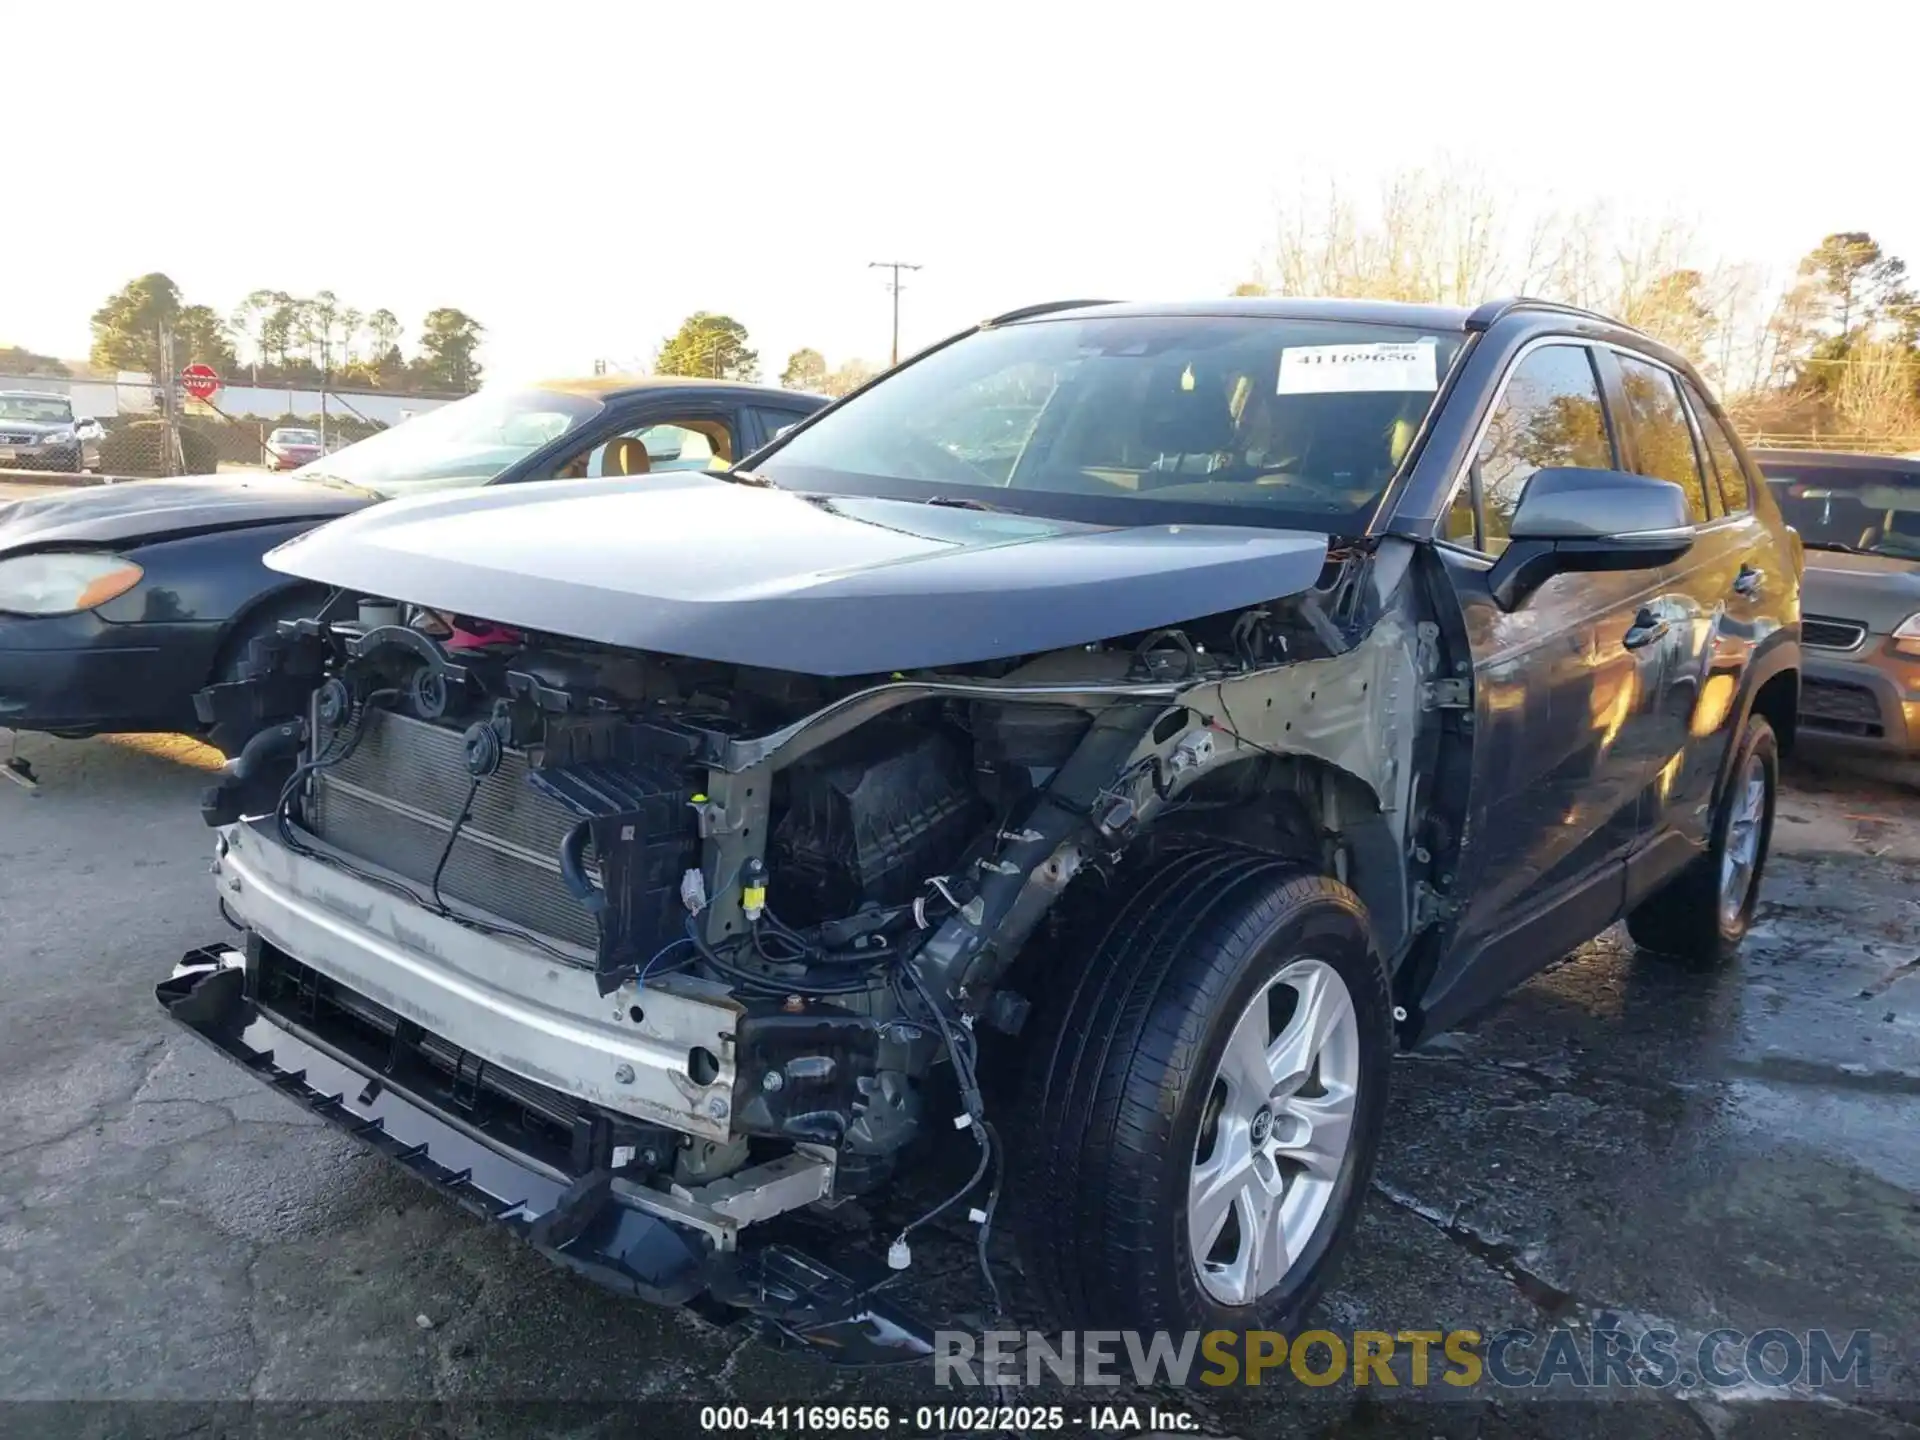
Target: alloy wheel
1275	1133
1740	852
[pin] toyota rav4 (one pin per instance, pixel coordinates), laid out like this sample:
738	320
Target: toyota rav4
1173	708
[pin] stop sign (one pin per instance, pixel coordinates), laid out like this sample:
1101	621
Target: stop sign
199	381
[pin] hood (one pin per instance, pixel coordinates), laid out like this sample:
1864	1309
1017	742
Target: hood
687	564
1879	591
151	509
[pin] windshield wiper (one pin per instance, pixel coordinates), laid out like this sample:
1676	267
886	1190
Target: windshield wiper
334	482
744	477
956	502
1838	545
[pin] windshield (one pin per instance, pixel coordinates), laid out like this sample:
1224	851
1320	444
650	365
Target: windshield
295	437
1129	418
39	409
1875	512
465	443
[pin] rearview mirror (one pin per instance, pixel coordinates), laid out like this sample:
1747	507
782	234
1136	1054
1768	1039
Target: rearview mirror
1570	520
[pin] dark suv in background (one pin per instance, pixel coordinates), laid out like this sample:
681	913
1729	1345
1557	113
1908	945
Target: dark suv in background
1165	709
1859	517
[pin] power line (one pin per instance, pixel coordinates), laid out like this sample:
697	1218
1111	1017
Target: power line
896	266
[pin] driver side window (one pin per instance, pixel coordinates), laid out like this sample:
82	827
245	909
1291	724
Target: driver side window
1549	416
683	444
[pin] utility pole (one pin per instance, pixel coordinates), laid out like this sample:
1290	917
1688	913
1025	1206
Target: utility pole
169	378
896	266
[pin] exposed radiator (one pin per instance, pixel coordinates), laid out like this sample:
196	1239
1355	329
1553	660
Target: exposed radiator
394	800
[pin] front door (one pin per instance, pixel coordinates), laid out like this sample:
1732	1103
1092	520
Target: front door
1563	707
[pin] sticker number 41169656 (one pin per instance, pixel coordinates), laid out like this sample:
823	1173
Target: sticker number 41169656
1348	369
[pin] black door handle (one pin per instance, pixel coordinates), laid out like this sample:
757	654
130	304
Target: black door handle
1647	628
1749	580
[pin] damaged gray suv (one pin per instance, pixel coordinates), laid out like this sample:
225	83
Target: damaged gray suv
1068	767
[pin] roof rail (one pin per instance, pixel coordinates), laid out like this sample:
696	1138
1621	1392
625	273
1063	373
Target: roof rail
1486	314
1047	307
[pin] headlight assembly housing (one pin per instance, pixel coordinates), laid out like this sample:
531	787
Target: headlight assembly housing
1906	636
60	582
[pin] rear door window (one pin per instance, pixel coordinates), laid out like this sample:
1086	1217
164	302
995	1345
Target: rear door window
1662	441
1728	476
775	423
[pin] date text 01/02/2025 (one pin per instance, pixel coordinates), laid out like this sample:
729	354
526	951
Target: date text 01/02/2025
944	1419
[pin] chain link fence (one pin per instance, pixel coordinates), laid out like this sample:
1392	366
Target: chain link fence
128	427
203	440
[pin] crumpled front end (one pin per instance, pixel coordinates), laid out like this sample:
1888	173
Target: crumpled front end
695	951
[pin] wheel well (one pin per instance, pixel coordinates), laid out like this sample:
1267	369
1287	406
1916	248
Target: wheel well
1779	701
1303	809
275	604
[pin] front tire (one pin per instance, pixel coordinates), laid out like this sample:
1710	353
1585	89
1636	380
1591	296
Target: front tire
1207	1094
1700	916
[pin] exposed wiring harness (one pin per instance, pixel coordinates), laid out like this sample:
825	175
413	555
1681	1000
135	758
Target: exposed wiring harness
453	834
964	1056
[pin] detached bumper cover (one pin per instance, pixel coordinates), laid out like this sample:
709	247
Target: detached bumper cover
576	1221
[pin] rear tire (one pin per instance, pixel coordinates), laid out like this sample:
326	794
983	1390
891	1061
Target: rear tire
1699	918
1168	1071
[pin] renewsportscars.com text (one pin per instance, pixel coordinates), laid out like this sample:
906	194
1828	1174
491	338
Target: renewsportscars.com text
1584	1358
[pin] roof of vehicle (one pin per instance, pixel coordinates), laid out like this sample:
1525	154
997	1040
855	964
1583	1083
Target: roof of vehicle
1269	307
1837	460
617	387
1302	307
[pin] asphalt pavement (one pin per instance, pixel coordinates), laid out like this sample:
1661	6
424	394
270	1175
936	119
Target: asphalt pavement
1621	1143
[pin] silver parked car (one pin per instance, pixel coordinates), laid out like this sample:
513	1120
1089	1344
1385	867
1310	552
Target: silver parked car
1859	517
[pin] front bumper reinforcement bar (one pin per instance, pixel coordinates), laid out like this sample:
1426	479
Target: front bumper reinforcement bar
576	1221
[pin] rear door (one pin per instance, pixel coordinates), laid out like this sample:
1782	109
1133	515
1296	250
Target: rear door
1701	619
1561	706
1751	605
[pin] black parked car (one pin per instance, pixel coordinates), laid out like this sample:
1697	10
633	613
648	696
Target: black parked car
41	432
1176	706
118	602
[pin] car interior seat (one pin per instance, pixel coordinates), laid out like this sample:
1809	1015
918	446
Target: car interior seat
625	456
1190	417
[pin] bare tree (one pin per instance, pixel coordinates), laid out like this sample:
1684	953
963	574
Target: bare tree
1447	237
1873	392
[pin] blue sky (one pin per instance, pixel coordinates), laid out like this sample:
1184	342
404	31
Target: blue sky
582	175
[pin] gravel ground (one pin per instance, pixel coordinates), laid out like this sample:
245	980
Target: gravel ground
1618	1140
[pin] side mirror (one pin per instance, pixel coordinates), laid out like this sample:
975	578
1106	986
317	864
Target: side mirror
1570	520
